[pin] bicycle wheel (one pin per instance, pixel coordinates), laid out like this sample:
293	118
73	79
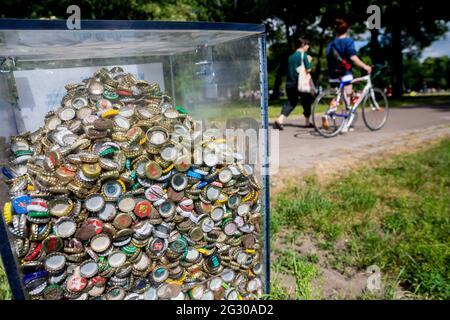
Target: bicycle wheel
328	116
375	109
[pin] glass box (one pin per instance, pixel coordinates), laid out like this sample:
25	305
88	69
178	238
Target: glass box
109	87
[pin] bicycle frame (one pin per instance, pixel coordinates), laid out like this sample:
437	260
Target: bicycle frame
352	109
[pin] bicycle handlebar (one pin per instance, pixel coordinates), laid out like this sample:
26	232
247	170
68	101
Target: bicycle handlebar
380	67
365	78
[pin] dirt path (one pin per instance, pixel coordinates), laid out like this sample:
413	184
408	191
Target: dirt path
302	151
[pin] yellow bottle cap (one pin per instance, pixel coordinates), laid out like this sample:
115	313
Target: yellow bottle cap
143	140
122	184
203	251
91	170
7	212
110	113
168	168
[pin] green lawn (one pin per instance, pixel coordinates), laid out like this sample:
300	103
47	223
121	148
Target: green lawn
5	293
405	101
218	112
395	214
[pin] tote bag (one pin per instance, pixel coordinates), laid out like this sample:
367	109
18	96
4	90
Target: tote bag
305	82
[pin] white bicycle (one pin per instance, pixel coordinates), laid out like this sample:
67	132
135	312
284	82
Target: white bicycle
332	111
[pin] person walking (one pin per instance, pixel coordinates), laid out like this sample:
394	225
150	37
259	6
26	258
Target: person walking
295	60
341	56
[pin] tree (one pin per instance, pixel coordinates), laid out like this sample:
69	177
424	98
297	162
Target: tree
181	10
422	23
406	24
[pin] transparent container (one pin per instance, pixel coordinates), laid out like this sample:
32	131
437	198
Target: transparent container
214	72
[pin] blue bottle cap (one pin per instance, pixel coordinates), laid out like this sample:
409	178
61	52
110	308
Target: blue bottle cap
20	204
27	278
202	184
7	173
193	174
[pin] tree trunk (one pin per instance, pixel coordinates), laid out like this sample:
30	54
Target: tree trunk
278	80
375	46
282	67
318	70
397	60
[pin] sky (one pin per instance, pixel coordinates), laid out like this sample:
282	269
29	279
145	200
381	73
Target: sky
438	48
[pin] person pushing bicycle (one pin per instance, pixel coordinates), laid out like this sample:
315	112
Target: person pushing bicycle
341	55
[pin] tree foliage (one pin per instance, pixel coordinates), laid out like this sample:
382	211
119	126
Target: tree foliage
408	26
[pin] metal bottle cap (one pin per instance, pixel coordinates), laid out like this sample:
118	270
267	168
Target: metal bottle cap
53	292
215	284
197	292
243	209
167	209
143	209
112	189
217	213
126	204
91	170
207	295
150	294
94	203
179	181
52	243
100	242
108	212
207	224
117	259
169	153
225	175
65	227
153	170
230	228
122	122
196	234
212	193
67	114
76	283
160	274
88	269
54	262
228	275
157	136
234	201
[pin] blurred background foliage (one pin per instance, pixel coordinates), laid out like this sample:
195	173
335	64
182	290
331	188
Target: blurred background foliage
407	27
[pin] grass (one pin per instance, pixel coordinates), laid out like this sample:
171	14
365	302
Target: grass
395	214
5	292
302	268
405	101
218	112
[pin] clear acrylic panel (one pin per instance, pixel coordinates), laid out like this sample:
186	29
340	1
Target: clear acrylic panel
211	74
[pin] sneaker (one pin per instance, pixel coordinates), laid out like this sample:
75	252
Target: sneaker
325	123
278	126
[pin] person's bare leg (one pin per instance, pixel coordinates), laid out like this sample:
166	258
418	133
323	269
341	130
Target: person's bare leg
348	96
348	92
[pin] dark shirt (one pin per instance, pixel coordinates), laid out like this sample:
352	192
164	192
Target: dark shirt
294	62
346	48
